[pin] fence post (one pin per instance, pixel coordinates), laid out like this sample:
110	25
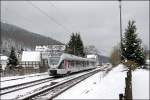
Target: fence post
128	83
121	97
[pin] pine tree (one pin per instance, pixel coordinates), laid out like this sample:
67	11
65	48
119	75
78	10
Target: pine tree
131	46
75	45
71	45
79	46
12	60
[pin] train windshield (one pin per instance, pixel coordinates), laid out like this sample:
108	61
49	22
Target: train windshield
54	60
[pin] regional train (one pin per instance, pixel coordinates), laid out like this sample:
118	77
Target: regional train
67	64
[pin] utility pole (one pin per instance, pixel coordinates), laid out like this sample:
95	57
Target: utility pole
120	27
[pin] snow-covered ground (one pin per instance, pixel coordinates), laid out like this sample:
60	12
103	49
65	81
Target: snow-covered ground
110	86
97	86
32	89
140	81
22	79
22	76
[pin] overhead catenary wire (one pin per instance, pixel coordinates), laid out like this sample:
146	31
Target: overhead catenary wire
49	17
60	13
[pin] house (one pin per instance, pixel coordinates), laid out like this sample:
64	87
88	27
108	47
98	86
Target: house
93	56
3	61
31	59
49	50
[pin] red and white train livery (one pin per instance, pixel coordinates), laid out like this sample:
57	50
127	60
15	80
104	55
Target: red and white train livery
67	63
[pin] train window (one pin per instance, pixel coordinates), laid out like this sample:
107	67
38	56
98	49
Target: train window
78	63
75	63
71	63
61	66
87	63
54	60
82	63
91	63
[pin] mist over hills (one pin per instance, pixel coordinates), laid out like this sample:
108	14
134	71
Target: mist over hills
14	36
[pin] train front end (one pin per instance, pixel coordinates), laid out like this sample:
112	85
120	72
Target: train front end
53	65
57	66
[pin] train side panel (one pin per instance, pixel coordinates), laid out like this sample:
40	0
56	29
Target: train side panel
70	64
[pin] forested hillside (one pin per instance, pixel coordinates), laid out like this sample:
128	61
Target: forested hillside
19	38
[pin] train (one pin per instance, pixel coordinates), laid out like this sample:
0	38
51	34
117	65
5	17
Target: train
67	63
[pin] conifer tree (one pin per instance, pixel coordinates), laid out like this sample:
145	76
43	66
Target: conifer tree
12	60
75	45
71	45
131	46
79	46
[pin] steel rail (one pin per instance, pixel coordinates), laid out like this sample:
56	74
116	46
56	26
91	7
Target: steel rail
22	77
23	85
45	91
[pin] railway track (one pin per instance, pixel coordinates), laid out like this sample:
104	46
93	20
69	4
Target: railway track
23	77
9	89
18	90
45	88
51	91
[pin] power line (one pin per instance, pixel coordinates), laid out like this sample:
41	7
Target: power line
60	12
48	16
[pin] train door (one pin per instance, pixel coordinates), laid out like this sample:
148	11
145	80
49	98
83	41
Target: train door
66	64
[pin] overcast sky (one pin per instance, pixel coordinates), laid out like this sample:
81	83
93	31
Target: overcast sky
97	21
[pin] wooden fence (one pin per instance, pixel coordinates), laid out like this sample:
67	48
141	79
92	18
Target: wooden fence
26	68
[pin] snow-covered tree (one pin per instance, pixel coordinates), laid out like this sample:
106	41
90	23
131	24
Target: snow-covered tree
75	45
79	46
131	46
12	60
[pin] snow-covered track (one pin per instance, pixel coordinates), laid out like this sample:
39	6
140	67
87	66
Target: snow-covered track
56	89
23	77
17	87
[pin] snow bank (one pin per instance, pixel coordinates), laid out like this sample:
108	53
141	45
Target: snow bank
119	68
110	86
140	84
97	87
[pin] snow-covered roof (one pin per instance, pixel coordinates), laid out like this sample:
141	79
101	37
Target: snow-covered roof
31	56
3	57
91	56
